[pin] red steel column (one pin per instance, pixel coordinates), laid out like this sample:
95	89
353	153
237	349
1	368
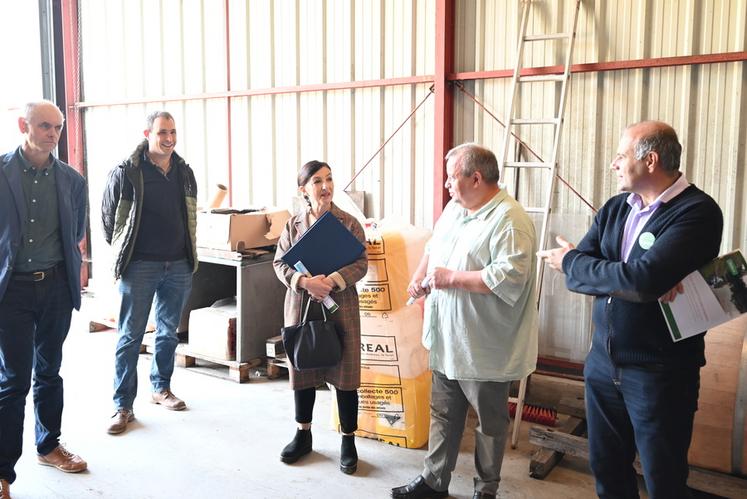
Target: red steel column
229	132
444	105
71	63
73	118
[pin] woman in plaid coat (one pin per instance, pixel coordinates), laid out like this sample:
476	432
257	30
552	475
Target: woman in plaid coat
316	185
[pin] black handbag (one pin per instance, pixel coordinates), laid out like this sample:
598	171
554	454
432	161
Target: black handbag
313	344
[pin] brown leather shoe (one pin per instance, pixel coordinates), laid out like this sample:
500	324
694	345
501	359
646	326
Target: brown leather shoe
63	460
4	489
168	400
119	421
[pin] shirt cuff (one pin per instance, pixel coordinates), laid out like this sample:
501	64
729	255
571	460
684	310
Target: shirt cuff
341	284
294	282
496	285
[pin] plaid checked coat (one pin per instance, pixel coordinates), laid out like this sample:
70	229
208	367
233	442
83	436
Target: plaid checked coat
347	374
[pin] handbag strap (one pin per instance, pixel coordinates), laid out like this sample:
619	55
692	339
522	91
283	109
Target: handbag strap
306	312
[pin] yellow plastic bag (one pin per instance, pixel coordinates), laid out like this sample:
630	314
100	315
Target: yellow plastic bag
394	396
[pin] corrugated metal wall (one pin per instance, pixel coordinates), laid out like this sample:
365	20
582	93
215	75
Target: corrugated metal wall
137	50
705	104
146	48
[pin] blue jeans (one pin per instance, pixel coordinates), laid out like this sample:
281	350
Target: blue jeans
649	409
34	322
170	283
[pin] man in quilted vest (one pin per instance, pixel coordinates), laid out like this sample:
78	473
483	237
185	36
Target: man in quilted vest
149	218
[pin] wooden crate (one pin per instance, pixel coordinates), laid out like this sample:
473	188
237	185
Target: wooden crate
220	368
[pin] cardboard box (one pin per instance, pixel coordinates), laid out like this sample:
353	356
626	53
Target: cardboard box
239	231
274	346
212	331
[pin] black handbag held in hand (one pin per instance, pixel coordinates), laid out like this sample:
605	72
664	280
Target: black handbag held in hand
313	344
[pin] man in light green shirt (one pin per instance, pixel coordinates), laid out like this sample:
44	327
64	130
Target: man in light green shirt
478	271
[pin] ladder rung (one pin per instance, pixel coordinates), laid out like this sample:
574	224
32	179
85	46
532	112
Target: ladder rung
535	210
533	78
527	164
535	121
550	36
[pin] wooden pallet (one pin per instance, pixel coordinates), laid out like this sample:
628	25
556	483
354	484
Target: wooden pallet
277	362
545	459
220	368
276	368
99	324
699	479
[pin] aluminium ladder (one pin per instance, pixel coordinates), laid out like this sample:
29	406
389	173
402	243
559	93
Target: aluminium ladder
548	167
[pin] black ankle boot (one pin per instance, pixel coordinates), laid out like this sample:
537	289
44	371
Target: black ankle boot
299	446
348	455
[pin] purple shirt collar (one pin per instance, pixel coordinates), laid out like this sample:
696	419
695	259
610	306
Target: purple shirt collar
639	214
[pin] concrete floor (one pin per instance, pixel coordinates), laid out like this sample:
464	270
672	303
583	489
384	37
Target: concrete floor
227	443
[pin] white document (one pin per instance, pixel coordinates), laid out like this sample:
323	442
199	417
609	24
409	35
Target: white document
712	295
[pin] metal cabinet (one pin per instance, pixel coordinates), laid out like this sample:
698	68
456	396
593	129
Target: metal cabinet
259	298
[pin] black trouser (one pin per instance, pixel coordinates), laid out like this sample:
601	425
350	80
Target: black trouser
34	321
347	407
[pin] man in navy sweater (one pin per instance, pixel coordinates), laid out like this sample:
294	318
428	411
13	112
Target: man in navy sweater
641	387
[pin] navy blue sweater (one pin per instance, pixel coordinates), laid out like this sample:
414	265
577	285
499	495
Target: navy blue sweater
628	322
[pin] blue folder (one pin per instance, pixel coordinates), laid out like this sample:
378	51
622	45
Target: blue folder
325	247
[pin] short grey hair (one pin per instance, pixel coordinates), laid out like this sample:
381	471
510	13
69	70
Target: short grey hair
154	116
476	158
663	140
30	107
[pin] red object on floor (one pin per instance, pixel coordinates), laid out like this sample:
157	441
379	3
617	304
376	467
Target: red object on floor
535	414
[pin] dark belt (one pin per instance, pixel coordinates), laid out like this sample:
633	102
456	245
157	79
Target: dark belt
39	275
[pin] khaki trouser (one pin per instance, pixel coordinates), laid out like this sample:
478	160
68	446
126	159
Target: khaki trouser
450	400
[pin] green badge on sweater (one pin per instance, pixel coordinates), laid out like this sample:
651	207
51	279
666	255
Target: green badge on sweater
646	240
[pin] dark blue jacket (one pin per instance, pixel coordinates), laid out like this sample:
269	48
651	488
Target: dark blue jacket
71	206
628	322
122	207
